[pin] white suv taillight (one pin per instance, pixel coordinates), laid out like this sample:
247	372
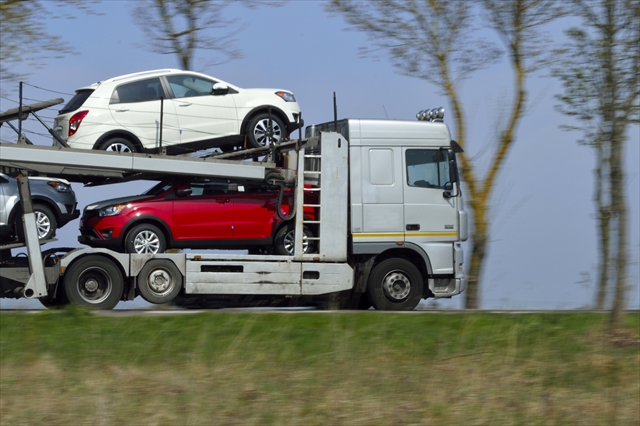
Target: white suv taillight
75	120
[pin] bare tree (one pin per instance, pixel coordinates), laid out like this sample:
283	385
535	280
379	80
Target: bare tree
434	41
182	27
601	75
23	37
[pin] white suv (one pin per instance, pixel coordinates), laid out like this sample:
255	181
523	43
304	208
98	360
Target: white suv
181	111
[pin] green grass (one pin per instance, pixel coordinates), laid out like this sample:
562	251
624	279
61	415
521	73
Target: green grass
74	367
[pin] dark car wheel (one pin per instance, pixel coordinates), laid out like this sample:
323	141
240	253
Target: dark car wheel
264	132
395	285
118	145
94	282
145	239
285	241
46	223
159	281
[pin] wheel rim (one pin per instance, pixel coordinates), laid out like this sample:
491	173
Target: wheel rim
94	285
43	224
289	242
146	242
118	147
160	282
263	136
396	286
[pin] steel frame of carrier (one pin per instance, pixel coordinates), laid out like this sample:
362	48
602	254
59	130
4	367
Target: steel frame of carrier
324	272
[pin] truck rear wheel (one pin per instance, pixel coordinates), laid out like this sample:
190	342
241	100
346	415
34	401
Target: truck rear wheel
395	285
94	282
159	281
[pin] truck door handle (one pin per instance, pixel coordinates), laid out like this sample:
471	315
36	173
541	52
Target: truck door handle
122	110
184	104
413	227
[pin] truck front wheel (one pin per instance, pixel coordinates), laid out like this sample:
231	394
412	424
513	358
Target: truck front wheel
94	282
395	285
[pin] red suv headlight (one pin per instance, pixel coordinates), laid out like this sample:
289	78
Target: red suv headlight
75	120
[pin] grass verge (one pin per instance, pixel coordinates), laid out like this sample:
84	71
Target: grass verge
368	368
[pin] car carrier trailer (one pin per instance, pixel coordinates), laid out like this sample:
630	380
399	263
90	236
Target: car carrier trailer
389	222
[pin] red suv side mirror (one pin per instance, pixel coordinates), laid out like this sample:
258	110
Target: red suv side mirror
183	191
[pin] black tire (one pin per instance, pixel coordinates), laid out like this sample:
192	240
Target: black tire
93	282
58	302
395	285
260	133
118	145
285	240
159	281
46	223
364	303
145	239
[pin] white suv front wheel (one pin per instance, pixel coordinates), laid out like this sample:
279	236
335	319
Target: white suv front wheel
264	132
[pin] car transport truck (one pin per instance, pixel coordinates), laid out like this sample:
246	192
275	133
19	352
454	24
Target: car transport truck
389	220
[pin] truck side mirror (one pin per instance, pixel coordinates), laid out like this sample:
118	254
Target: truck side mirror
453	171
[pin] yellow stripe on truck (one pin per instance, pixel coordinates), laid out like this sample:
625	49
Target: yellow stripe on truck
408	234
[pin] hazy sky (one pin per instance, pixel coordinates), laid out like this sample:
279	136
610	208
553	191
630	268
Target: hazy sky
543	252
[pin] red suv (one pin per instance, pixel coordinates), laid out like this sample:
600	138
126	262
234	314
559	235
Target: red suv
200	213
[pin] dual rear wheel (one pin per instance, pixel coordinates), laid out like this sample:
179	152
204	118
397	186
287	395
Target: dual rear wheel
96	282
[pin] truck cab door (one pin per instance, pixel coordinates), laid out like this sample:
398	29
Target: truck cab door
382	195
430	212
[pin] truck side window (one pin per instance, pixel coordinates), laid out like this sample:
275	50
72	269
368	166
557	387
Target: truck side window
427	168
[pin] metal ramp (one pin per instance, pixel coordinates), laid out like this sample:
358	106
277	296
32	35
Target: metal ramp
79	165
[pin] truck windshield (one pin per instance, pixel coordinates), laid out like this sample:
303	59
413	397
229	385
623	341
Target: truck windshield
427	168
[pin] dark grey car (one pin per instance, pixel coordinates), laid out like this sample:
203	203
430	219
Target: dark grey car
54	205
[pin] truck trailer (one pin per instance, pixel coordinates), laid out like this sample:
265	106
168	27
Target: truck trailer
388	225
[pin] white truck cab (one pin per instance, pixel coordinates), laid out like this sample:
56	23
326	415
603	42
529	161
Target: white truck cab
405	198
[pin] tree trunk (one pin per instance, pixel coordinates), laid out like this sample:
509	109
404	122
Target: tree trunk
604	224
479	243
476	266
619	210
